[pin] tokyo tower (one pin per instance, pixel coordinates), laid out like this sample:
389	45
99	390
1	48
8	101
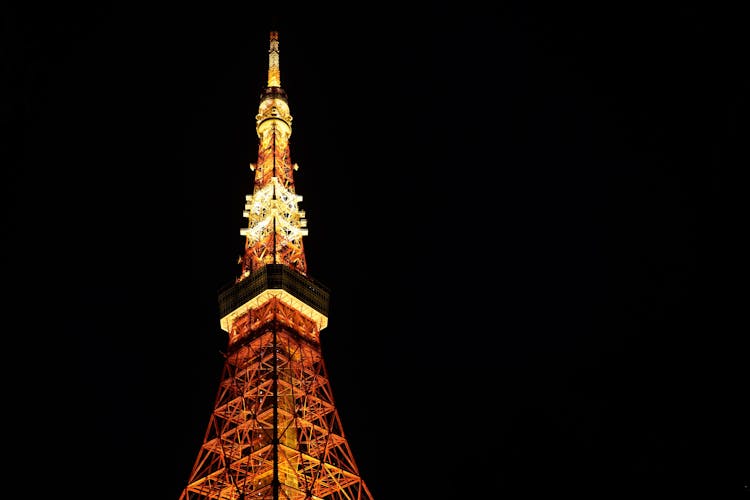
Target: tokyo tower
274	431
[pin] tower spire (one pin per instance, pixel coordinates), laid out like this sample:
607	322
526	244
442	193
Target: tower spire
276	225
274	73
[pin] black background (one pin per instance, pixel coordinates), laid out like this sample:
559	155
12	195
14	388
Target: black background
519	211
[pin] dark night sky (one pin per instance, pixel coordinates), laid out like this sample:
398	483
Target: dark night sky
518	211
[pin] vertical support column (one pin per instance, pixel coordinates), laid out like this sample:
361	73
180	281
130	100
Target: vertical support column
275	388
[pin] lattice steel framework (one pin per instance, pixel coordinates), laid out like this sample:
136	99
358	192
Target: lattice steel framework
274	432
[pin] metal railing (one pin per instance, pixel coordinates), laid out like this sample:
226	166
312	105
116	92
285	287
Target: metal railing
275	277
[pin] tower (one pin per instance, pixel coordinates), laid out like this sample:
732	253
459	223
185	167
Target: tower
274	432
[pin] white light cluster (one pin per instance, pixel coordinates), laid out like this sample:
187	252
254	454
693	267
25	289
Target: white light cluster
273	201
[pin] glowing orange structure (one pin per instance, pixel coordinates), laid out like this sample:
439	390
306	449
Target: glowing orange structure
274	432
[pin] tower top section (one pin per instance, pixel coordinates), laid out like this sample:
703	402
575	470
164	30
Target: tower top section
276	224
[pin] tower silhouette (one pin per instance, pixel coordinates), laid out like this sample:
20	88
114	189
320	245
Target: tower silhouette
274	431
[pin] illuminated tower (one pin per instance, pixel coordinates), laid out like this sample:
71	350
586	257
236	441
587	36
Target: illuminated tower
274	431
